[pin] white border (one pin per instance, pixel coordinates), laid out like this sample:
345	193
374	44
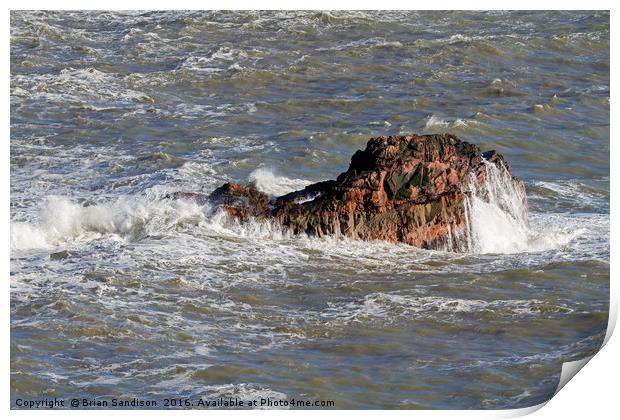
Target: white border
593	394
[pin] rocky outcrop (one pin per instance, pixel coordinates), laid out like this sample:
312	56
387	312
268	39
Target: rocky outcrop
408	189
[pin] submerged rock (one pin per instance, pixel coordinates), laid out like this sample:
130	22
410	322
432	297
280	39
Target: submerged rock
410	189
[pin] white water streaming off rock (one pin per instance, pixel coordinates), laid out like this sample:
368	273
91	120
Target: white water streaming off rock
117	290
496	216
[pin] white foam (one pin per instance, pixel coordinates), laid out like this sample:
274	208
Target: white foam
220	224
497	219
496	214
573	192
87	86
392	305
62	220
367	43
268	182
245	392
434	122
216	62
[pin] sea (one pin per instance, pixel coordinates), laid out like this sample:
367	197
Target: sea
119	292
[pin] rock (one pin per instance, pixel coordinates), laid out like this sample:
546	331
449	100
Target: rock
409	189
240	202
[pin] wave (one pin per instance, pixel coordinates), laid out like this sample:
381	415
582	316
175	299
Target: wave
62	220
222	59
496	215
392	305
268	182
434	122
497	219
77	85
364	43
573	191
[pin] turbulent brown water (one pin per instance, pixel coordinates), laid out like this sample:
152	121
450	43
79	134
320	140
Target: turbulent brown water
119	292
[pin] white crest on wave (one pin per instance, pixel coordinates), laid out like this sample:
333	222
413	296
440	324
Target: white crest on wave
268	182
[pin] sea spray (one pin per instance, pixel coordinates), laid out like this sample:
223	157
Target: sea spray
495	220
495	214
62	220
268	182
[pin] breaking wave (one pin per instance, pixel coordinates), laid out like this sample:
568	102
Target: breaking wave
62	220
497	221
268	182
496	214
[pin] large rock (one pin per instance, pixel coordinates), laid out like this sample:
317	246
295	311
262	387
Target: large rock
408	189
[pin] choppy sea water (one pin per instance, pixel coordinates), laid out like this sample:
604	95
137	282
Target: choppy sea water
119	292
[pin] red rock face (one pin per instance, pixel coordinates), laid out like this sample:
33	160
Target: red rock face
240	202
401	189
